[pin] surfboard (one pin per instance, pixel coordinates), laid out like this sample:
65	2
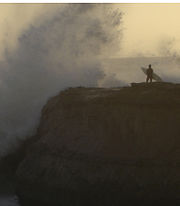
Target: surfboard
155	76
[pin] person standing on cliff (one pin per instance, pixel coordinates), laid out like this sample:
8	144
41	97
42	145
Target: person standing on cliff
149	74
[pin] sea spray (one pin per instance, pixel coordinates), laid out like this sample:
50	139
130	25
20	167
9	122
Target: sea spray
64	50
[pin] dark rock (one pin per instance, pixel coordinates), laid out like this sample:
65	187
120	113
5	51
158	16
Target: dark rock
105	147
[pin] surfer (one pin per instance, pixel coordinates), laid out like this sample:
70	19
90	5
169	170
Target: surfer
149	74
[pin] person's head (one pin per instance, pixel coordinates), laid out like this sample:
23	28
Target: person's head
149	65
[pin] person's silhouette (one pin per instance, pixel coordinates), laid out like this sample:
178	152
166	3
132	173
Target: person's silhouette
149	74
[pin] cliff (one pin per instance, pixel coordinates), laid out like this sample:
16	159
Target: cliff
99	146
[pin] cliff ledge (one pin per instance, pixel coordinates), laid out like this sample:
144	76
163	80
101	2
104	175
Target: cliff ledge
99	146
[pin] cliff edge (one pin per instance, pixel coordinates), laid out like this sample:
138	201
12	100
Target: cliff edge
99	146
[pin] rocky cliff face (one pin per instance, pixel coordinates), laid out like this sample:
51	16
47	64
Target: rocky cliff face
105	147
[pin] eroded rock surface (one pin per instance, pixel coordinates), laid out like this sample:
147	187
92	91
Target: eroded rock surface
105	147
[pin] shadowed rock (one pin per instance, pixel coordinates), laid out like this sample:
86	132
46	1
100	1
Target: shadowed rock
105	147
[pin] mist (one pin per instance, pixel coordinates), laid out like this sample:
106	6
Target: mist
63	49
56	46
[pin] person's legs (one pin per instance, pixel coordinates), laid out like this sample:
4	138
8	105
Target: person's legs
147	79
151	79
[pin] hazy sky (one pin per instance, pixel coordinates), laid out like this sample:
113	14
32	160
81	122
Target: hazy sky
148	29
